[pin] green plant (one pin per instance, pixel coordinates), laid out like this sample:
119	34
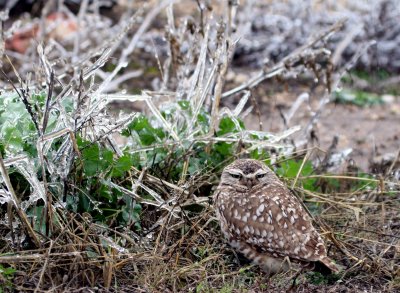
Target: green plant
292	169
358	98
99	174
317	278
6	277
378	75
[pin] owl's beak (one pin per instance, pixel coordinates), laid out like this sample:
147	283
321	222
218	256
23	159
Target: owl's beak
249	183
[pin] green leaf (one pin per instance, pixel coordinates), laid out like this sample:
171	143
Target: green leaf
226	125
259	154
147	138
7	271
146	132
84	203
159	132
122	165
105	192
184	105
37	212
107	157
91	160
2	149
126	132
290	168
139	123
12	137
131	214
223	148
91	167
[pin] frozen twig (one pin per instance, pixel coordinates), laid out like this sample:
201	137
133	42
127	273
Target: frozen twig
336	81
288	62
123	60
16	203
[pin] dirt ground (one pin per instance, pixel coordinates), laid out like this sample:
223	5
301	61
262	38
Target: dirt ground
371	132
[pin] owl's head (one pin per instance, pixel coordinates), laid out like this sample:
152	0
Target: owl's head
245	174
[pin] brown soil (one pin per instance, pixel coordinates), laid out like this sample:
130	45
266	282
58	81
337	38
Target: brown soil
373	133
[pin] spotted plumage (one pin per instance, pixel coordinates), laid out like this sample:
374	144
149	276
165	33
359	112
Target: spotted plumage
262	219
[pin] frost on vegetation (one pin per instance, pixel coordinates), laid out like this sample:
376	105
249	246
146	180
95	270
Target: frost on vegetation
277	28
336	160
27	169
5	196
82	88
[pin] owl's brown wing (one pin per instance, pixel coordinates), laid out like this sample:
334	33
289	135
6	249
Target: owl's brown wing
273	221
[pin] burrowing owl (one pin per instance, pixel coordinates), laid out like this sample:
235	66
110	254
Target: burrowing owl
262	219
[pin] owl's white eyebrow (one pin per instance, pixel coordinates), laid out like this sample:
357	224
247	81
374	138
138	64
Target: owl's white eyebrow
236	172
251	175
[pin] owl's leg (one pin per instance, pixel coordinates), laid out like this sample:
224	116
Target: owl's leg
273	265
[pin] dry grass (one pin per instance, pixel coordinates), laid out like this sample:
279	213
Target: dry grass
190	254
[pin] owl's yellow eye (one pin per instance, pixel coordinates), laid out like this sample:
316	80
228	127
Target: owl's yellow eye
237	176
261	175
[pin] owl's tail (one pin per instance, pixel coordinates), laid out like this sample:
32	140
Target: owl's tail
326	266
